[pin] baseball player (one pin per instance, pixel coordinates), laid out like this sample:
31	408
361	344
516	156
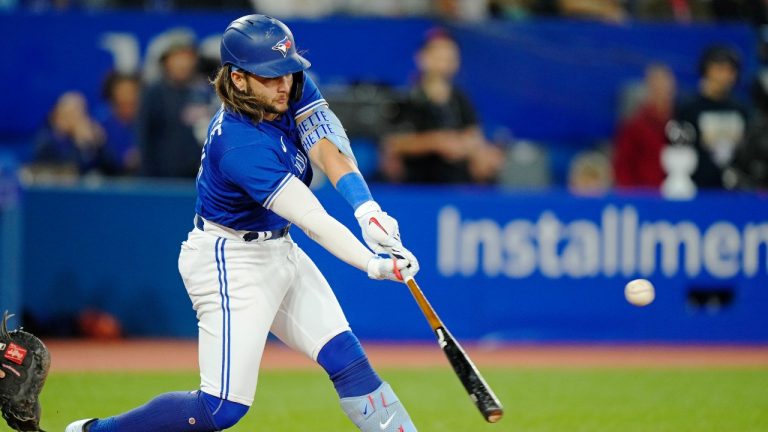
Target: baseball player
243	273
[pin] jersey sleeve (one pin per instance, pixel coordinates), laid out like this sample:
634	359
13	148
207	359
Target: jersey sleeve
311	98
257	170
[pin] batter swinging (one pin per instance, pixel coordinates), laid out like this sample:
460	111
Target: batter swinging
243	273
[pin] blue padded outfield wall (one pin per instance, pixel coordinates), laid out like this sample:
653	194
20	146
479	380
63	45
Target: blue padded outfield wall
496	265
556	81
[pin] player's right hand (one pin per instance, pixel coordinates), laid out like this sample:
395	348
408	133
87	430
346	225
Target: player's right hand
381	268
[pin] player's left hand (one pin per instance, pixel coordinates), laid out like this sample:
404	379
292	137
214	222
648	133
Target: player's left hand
400	252
380	230
392	268
381	268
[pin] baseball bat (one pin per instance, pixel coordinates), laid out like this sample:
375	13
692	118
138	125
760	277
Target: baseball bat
479	391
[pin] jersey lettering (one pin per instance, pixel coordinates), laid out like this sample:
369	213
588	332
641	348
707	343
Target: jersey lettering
313	128
216	128
300	163
200	170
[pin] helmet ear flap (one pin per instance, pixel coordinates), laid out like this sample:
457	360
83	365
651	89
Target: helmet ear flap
298	86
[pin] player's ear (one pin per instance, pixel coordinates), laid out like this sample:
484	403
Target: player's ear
238	79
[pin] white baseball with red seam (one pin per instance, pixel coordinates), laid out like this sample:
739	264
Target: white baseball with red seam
640	292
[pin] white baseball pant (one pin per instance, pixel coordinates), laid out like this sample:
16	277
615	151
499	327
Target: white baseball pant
243	290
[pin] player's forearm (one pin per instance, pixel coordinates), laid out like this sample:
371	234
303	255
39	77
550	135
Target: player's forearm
342	172
334	164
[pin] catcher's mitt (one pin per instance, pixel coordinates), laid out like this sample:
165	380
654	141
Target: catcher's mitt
25	361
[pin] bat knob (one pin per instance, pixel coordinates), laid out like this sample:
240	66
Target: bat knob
494	416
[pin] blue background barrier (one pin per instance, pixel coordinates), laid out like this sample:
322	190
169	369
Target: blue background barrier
496	265
10	236
535	78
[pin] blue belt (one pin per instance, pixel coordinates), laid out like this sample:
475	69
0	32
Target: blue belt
251	235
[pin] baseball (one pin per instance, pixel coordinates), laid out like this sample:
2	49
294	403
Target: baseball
639	292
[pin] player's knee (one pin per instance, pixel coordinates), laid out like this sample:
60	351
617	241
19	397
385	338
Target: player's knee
340	352
229	414
224	413
347	366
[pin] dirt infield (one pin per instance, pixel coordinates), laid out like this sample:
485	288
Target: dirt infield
164	355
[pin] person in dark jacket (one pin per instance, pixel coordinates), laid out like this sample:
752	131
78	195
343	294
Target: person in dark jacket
174	111
719	122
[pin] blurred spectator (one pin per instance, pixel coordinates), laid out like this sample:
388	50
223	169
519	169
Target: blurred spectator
439	139
121	91
210	56
757	12
393	8
174	110
604	10
166	5
460	10
511	9
718	123
590	174
71	142
699	10
294	8
682	11
527	165
751	162
450	10
730	10
641	137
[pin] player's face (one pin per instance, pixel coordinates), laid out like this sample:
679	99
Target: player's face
274	92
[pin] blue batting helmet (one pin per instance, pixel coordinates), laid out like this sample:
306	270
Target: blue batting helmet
261	45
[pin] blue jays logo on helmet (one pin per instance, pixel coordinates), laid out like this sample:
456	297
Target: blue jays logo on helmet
249	43
283	46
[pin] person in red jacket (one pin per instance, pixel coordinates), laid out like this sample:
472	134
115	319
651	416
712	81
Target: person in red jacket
641	137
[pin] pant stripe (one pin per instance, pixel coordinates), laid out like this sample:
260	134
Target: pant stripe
224	314
229	316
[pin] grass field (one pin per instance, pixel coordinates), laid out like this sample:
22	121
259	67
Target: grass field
594	400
